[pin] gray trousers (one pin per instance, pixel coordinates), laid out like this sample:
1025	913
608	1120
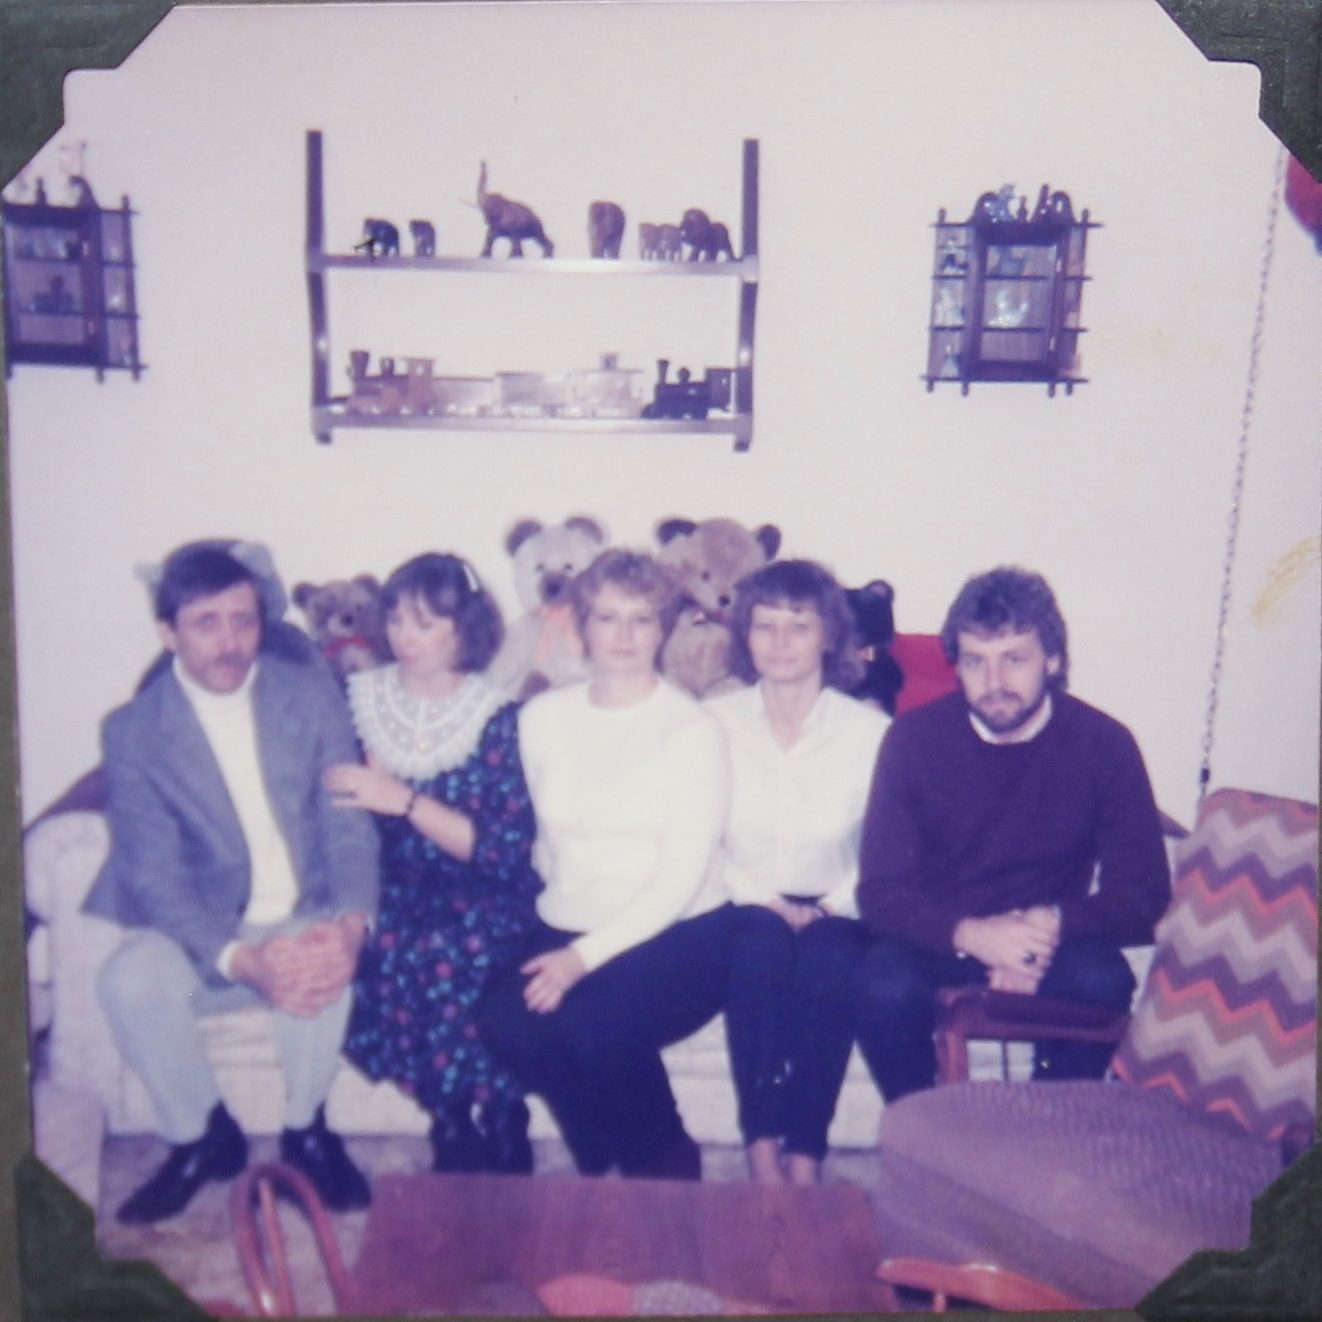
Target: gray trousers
153	997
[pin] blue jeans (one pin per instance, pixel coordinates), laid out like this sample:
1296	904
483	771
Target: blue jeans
596	1059
790	1023
897	1008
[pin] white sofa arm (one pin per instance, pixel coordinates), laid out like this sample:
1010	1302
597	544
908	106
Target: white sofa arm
62	856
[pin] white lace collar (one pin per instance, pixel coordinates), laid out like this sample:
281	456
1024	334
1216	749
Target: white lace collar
418	738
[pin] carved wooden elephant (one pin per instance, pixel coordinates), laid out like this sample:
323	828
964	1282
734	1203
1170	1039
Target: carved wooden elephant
380	238
707	239
661	243
605	229
510	220
424	238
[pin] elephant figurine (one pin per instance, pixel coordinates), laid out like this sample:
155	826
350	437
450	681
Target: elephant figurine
605	229
669	243
424	238
707	239
659	243
380	238
509	220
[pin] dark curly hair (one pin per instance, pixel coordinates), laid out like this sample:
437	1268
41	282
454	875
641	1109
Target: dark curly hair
199	569
798	583
449	587
1008	598
633	572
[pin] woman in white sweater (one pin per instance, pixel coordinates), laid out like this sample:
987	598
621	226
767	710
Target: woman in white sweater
629	782
801	756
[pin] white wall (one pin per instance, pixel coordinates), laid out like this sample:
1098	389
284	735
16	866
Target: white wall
870	116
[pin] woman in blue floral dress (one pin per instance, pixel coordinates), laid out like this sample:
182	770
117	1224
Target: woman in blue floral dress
443	776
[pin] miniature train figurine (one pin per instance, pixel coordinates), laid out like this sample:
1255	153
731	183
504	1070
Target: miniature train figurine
604	391
687	398
605	229
510	220
380	239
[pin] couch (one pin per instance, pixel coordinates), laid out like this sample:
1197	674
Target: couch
85	1089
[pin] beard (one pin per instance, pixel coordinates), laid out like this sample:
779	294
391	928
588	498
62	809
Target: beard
1004	713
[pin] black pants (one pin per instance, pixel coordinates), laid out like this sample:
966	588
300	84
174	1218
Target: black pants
897	1008
790	1023
596	1059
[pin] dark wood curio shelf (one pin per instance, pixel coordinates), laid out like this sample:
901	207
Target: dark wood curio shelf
70	296
1007	289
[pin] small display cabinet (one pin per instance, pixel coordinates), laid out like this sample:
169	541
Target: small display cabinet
69	294
1006	293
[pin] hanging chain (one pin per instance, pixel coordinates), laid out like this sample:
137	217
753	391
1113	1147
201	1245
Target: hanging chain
1237	482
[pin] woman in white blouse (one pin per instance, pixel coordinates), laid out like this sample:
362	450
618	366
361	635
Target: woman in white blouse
629	783
801	756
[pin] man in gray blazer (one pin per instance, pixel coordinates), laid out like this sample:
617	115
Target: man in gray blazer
240	880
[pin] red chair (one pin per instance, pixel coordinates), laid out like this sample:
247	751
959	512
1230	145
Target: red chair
260	1240
927	673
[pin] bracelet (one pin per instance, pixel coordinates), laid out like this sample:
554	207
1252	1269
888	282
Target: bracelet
409	806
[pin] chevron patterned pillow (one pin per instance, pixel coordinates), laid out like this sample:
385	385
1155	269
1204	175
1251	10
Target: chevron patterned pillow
1227	1022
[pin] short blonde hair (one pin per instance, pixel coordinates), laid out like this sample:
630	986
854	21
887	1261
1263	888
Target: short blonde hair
633	572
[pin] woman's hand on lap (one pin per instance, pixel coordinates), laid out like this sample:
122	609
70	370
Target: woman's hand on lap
550	976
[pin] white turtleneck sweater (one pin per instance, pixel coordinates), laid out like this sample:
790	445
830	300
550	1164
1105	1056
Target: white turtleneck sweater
230	726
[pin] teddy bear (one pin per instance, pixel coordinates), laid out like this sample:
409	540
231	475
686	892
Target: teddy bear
708	557
542	648
872	607
346	621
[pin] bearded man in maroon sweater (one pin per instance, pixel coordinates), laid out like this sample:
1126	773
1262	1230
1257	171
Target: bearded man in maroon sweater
1011	839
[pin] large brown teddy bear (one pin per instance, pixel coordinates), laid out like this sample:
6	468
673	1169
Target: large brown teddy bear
542	648
708	558
346	621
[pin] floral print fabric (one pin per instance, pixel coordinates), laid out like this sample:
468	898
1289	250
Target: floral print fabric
443	925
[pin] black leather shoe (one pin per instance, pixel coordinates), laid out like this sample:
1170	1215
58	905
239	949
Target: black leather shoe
456	1144
505	1128
220	1154
321	1156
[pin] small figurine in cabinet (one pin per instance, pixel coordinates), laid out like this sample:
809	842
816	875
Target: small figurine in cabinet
949	308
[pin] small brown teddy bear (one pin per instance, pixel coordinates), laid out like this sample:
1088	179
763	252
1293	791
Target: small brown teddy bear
346	621
708	558
542	648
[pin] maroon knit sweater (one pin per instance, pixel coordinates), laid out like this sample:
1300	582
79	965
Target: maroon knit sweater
958	827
